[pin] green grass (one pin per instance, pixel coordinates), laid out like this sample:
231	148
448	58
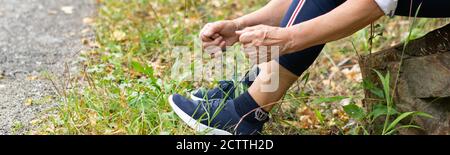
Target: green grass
125	80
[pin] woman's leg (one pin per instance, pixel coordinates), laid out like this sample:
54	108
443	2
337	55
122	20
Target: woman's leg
290	66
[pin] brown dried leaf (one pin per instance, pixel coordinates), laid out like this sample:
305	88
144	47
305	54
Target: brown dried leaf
85	41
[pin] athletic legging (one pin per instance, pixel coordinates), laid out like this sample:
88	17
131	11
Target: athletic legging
303	10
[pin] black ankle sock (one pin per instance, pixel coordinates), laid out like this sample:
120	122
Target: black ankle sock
246	106
251	76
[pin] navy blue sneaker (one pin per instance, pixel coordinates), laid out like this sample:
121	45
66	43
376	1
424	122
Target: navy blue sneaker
226	89
217	116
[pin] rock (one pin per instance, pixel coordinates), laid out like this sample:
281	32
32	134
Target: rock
424	81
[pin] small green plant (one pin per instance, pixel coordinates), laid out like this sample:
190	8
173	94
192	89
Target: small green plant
17	126
385	108
391	126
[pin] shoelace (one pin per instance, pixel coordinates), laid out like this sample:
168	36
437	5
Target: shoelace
212	107
213	103
224	86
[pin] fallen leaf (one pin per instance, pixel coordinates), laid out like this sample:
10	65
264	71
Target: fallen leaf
334	69
119	132
85	41
92	117
332	122
216	4
305	111
307	122
353	74
119	35
94	44
67	9
83	52
88	21
29	102
329	83
50	128
85	31
345	102
307	118
52	12
32	78
35	121
335	112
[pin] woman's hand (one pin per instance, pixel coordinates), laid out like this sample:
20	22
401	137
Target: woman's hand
219	34
264	42
223	33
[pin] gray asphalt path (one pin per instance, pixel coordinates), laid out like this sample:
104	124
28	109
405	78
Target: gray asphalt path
36	37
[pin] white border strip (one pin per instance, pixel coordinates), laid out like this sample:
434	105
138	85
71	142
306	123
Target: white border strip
296	12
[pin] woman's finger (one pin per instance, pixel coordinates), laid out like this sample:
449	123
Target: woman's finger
246	30
205	38
215	42
223	45
241	32
247	37
215	36
214	46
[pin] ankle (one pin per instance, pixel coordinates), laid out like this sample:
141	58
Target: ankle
251	112
266	103
271	85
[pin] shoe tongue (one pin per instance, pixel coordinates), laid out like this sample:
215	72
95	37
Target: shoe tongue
225	84
250	76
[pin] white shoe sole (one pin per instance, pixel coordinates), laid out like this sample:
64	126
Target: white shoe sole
191	122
